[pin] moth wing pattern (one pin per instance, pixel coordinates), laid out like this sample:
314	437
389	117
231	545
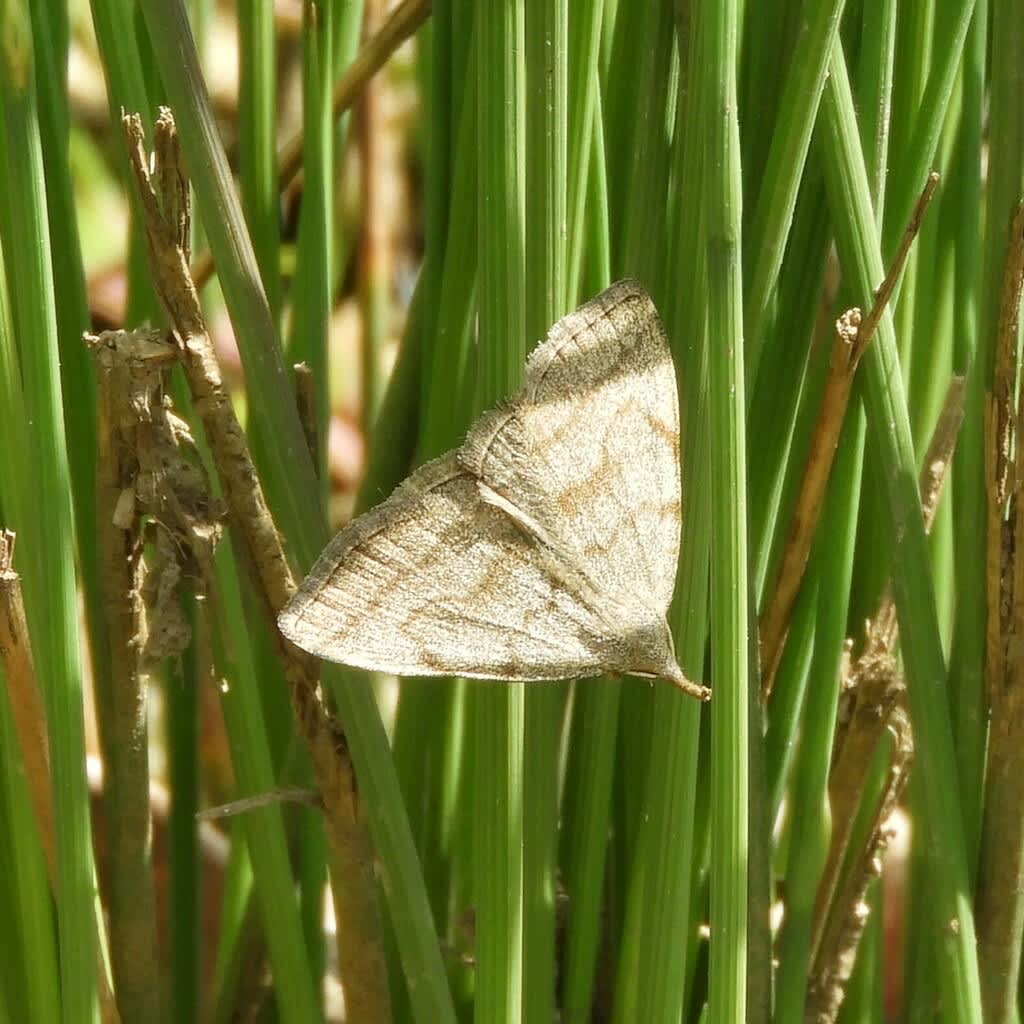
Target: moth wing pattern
437	581
589	448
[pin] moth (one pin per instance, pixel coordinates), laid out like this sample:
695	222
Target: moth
545	547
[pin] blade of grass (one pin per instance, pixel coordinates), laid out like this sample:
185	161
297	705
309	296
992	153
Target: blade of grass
646	133
597	265
546	140
865	998
181	692
808	841
730	626
789	383
31	984
114	24
257	137
312	282
236	903
999	904
431	730
312	286
771	218
77	375
887	417
932	349
584	49
785	708
30	988
595	712
950	33
263	828
500	711
28	816
641	217
50	595
967	650
447	342
427	732
874	92
373	260
658	927
759	92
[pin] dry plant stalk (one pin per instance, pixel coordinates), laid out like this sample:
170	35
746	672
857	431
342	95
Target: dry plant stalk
305	402
837	952
998	901
164	213
129	384
26	701
401	25
852	337
877	692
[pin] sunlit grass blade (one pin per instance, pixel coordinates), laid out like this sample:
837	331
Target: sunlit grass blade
967	650
546	141
733	686
257	140
889	425
499	713
809	834
51	588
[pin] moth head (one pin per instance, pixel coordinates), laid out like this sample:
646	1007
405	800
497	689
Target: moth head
653	656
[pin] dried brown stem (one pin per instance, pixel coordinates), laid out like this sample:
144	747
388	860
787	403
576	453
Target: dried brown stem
852	337
935	468
931	482
884	291
132	902
877	697
1000	893
26	702
837	951
360	950
835	397
404	20
305	402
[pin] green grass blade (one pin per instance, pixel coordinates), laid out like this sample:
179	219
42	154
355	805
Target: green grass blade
181	693
967	652
595	714
733	688
257	140
263	828
658	929
31	989
115	24
809	836
776	198
312	282
546	139
951	26
584	48
1000	904
500	711
915	600
50	589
